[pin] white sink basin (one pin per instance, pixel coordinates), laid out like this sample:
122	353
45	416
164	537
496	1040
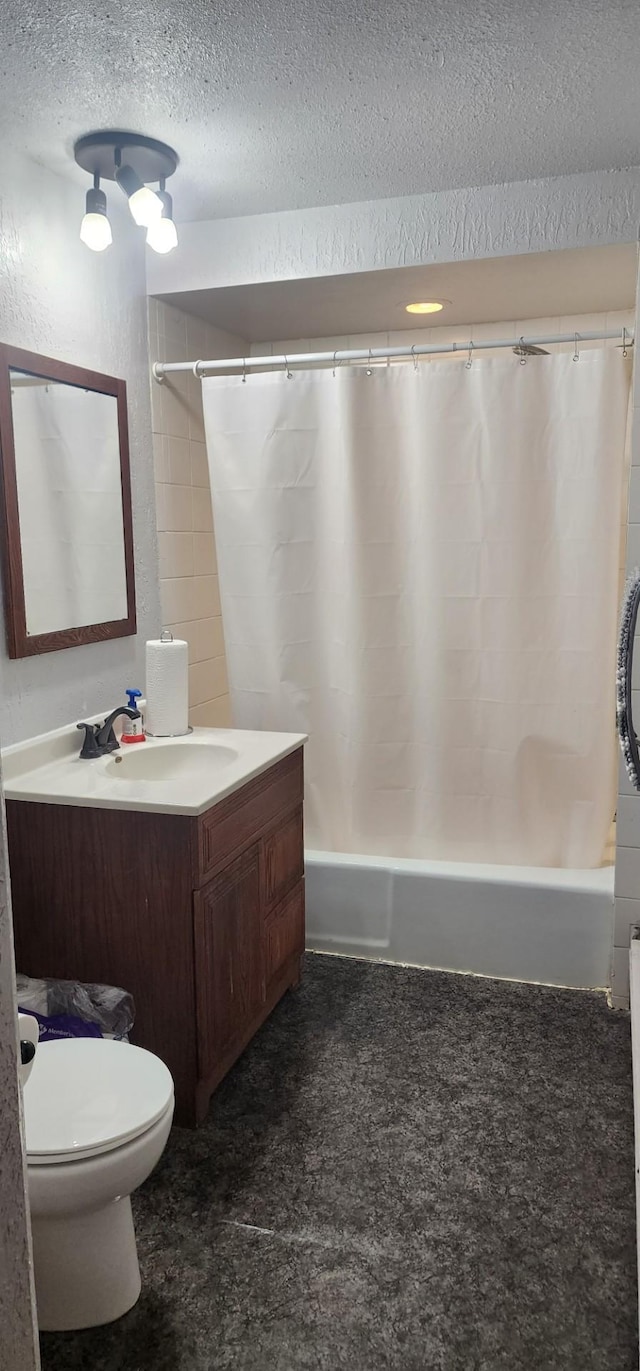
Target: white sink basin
141	762
164	775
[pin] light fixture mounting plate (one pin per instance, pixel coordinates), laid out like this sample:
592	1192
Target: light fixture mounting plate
150	159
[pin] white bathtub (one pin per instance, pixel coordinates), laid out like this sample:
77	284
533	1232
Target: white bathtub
522	923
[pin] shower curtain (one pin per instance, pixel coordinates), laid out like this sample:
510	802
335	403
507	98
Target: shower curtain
419	567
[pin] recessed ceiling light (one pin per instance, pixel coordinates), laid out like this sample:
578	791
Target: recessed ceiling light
426	307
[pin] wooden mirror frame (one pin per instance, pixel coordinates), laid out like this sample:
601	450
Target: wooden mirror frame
19	642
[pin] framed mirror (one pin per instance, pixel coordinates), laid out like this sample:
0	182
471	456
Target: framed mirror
66	505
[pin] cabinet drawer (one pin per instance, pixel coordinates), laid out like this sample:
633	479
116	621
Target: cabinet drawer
284	933
242	818
282	860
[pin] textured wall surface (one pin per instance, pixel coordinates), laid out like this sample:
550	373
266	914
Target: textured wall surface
325	101
59	299
492	221
18	1343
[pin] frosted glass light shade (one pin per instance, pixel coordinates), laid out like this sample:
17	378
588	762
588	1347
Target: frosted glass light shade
162	235
95	232
145	206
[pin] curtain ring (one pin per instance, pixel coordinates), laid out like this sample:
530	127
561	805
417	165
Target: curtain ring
334	364
244	370
469	358
523	355
196	371
287	368
369	368
576	354
415	359
624	343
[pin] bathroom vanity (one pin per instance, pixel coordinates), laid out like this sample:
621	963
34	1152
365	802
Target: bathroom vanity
178	873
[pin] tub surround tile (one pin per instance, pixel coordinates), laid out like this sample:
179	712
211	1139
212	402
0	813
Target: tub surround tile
627	913
633	548
204	554
201	683
620	318
202	515
627	879
212	714
628	821
188	567
634	496
176	554
406	1169
620	977
199	466
174	508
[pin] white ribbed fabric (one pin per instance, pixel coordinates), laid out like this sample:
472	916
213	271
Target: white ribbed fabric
419	568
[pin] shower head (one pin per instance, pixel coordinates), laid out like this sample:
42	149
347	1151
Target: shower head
529	350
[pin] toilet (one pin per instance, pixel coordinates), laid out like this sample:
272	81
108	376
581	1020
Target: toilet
97	1118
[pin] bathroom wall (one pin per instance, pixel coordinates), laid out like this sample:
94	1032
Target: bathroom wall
188	570
442	226
18	1337
59	299
627	881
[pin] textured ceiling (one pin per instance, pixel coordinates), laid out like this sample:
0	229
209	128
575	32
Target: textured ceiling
533	286
280	106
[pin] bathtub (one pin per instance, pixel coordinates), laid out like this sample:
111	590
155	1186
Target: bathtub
549	925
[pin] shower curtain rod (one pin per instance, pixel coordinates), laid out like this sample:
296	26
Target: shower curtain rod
199	368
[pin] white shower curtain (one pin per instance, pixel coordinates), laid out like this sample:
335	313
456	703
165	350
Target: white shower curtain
419	569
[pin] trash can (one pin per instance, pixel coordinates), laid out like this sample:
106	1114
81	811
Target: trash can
69	1009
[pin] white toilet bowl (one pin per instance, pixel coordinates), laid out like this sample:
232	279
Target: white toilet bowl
97	1116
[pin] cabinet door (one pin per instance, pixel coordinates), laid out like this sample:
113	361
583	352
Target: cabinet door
228	960
284	934
282	859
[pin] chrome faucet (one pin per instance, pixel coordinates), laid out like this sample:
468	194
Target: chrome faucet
100	739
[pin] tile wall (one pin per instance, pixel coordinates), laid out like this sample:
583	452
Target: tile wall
188	569
514	328
627	879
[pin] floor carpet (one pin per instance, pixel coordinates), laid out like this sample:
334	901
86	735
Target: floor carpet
407	1170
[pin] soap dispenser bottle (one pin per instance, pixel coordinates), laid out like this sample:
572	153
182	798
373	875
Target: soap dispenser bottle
133	731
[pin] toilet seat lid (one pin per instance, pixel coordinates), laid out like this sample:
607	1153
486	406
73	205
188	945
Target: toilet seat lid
88	1095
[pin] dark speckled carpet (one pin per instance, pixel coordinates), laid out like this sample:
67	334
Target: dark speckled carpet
406	1170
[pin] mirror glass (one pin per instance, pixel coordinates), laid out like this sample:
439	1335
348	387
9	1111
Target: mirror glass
69	489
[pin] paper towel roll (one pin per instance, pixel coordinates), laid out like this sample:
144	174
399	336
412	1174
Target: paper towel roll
167	711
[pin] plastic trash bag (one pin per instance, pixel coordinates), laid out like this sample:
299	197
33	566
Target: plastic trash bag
68	1009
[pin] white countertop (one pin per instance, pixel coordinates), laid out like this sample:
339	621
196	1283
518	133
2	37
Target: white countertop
48	769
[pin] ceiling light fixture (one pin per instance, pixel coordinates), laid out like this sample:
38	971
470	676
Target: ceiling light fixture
95	229
144	204
132	161
426	307
162	235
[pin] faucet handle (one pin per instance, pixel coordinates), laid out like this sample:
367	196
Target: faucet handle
89	748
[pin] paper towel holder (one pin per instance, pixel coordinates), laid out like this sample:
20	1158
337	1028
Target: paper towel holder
167	637
165	735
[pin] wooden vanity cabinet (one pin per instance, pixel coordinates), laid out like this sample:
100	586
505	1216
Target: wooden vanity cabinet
201	918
